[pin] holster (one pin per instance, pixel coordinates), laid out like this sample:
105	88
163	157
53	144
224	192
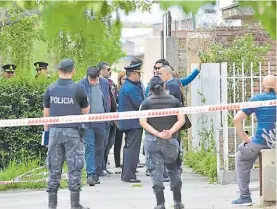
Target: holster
82	130
180	158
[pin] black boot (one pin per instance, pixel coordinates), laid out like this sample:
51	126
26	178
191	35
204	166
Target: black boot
177	197
160	200
75	201
52	200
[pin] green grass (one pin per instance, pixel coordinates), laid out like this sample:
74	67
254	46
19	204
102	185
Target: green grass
202	162
14	170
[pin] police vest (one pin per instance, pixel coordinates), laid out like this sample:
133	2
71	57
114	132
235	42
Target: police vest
63	102
161	101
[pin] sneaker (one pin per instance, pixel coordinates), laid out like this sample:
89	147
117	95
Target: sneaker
104	173
109	172
91	181
147	173
117	170
247	201
141	165
96	179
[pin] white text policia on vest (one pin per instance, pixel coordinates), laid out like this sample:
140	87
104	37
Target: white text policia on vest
61	100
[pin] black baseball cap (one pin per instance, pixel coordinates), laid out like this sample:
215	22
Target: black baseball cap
66	65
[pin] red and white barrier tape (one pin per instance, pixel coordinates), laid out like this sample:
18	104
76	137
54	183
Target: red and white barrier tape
126	115
63	177
132	114
16	182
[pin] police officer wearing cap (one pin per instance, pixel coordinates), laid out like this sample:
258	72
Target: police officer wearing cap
9	70
41	68
130	98
64	97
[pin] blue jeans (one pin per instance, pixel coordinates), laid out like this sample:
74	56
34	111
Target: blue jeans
94	150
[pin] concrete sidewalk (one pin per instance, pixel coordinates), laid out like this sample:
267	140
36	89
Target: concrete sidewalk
112	193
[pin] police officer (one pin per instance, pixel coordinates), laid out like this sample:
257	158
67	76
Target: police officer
64	97
9	70
130	98
41	68
160	142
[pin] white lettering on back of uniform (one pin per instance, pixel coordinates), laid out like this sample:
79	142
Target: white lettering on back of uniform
61	100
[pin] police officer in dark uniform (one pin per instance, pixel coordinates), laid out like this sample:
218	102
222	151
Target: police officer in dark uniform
9	70
160	143
41	68
64	97
130	98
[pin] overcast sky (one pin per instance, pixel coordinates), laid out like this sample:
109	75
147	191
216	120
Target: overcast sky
155	16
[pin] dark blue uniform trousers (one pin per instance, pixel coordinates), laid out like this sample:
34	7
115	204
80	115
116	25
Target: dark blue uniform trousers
131	153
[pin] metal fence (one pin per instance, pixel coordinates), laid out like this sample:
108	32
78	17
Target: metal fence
222	83
240	82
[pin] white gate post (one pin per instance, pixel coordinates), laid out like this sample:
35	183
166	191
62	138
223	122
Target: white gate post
224	99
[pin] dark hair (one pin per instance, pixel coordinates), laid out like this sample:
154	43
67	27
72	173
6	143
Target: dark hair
101	65
93	72
162	61
156	85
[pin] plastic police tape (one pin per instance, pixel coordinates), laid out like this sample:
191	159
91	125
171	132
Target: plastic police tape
123	116
132	114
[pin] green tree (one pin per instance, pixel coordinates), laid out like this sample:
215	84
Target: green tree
81	30
16	42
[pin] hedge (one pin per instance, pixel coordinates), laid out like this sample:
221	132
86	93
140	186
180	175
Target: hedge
21	97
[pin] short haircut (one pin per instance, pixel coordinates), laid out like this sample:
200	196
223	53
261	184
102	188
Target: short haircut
162	61
101	65
93	72
128	74
167	69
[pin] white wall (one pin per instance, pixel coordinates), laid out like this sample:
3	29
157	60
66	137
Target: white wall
207	83
152	52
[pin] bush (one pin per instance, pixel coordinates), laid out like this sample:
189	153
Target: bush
21	97
203	161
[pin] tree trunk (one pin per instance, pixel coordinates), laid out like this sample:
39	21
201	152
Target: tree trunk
21	16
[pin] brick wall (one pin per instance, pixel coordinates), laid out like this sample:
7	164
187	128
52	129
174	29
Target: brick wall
226	35
231	145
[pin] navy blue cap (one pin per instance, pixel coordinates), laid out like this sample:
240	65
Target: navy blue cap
135	65
39	65
9	67
66	65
